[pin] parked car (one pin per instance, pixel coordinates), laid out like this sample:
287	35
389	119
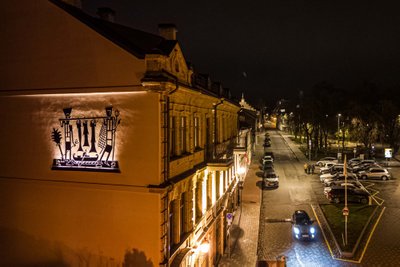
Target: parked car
337	195
375	173
333	169
339	177
267	144
365	161
267	159
364	166
271	180
302	225
267	166
322	161
271	154
326	166
354	161
335	184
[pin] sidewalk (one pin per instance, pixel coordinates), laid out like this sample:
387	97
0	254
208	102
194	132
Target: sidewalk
245	225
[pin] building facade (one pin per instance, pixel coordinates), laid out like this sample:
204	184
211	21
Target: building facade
115	152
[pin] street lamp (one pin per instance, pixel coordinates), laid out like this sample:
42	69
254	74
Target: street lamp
338	128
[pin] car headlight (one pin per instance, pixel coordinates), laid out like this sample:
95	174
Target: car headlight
296	230
312	230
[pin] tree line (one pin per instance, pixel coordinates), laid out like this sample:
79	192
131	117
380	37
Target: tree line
366	115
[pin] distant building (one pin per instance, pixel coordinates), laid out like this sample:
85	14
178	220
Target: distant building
114	151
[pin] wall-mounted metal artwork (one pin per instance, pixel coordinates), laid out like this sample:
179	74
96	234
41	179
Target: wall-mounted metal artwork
86	143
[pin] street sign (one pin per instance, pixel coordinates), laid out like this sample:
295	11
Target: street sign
388	153
345	211
229	218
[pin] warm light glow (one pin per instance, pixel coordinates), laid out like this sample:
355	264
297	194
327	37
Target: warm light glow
204	247
84	94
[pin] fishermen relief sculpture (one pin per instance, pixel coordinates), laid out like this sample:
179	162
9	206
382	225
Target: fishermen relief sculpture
79	154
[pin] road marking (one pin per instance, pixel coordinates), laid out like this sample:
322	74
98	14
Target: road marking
370	236
323	233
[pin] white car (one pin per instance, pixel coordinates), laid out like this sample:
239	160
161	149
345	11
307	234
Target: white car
326	167
322	161
339	177
267	159
375	173
322	177
329	175
354	161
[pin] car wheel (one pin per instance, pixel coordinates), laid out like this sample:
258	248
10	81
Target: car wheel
363	201
336	200
384	178
364	177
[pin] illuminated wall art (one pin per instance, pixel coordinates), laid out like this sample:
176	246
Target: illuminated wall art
86	143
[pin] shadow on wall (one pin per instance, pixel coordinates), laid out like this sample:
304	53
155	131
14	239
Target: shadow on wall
135	258
18	248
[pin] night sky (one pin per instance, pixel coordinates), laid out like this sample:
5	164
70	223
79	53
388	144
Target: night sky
272	49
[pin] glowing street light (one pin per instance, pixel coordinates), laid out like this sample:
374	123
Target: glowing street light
204	247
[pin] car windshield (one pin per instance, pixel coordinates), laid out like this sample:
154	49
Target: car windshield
302	219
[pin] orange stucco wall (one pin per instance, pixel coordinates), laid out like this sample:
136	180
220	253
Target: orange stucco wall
64	224
44	47
28	150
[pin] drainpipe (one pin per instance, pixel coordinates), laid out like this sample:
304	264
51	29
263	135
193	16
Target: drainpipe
167	160
215	105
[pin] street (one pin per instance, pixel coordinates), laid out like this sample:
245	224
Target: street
299	191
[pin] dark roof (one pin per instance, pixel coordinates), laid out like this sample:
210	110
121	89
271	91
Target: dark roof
136	42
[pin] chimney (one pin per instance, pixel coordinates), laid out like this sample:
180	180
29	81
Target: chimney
106	13
167	30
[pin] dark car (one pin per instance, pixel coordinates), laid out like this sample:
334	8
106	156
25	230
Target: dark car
267	144
337	195
267	165
303	226
267	153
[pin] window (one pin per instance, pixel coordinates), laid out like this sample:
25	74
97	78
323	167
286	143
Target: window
209	190
183	135
171	223
199	201
173	136
182	211
196	132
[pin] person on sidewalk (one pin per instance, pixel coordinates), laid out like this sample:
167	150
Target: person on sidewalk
312	168
305	167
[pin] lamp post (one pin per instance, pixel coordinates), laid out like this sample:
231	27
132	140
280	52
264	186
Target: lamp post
338	128
345	209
